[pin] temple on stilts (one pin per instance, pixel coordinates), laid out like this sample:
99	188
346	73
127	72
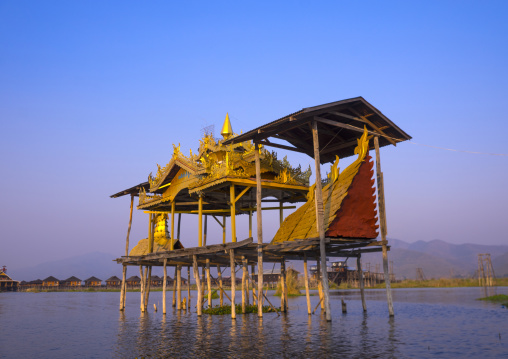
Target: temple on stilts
342	215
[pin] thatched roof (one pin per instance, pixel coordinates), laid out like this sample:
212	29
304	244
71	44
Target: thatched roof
93	279
50	279
72	279
113	279
134	278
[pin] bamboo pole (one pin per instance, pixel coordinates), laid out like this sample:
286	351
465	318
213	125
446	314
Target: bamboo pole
188	287
164	286
306	277
254	296
247	282
142	288
320	221
172	247
224	230
360	279
281	213
148	284
179	287
221	295
233	283
203	282
209	281
233	212
123	292
173	304
200	221
259	230
320	284
179	221
198	283
243	285
382	224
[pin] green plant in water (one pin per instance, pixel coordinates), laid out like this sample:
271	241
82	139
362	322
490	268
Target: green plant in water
291	283
226	309
499	298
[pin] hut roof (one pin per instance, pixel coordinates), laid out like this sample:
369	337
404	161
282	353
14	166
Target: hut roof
155	277
338	126
134	278
72	279
93	279
113	279
50	279
37	281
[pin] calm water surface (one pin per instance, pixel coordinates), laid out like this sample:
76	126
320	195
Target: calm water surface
443	323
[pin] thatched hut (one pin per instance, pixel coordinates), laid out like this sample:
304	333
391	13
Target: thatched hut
50	282
71	282
113	281
93	282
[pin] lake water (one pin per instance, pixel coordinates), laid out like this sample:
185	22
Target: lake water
428	323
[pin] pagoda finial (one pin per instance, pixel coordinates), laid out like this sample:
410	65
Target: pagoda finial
227	130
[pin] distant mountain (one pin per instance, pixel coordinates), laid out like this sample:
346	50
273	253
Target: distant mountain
96	264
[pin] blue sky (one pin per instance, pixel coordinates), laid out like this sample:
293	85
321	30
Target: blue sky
94	94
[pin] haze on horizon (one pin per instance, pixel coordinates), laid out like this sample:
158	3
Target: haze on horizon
93	95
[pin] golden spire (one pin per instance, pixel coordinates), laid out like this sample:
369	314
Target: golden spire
227	130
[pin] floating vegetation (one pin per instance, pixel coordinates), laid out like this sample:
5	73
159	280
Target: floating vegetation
499	298
226	309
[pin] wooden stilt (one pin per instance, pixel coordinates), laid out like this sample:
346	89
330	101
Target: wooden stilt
173	304
172	247
233	212
360	279
200	221
283	286
142	289
164	286
233	283
382	224
209	281
221	295
203	281
188	287
148	283
179	287
254	296
206	230
320	221
243	285
259	230
123	292
306	278
198	283
223	229
281	212
247	282
320	284
179	222
250	224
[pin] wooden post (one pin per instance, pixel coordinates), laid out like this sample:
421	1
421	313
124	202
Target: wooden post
233	212
360	279
250	224
179	287
259	230
283	286
221	295
188	287
209	281
306	277
198	283
173	304
164	286
123	292
142	288
281	212
233	283
320	284
179	221
203	283
254	296
243	285
172	247
247	282
382	224
320	221
148	283
206	230
200	221
223	229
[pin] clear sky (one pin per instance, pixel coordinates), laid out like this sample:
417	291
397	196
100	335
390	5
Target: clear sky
94	94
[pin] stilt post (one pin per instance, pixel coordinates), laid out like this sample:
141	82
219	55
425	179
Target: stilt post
179	287
173	304
172	247
320	221
233	283
164	286
209	282
188	287
382	223
233	212
221	295
200	221
360	279
198	283
306	278
123	292
259	230
243	285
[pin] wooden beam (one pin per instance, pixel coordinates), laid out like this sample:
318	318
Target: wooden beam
284	147
242	193
342	125
378	129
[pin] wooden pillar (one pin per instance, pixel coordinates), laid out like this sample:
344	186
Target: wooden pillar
247	291
172	247
142	288
250	224
200	221
382	224
179	287
281	212
223	229
320	284
203	282
198	283
233	283
243	285
206	230
188	287
320	221
173	304
221	294
360	279
179	221
283	286
259	230
209	282
253	288
148	283
164	286
233	212
306	278
123	292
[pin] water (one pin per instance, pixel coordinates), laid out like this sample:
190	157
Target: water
445	323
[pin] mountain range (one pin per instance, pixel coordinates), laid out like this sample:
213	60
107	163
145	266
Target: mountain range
436	258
